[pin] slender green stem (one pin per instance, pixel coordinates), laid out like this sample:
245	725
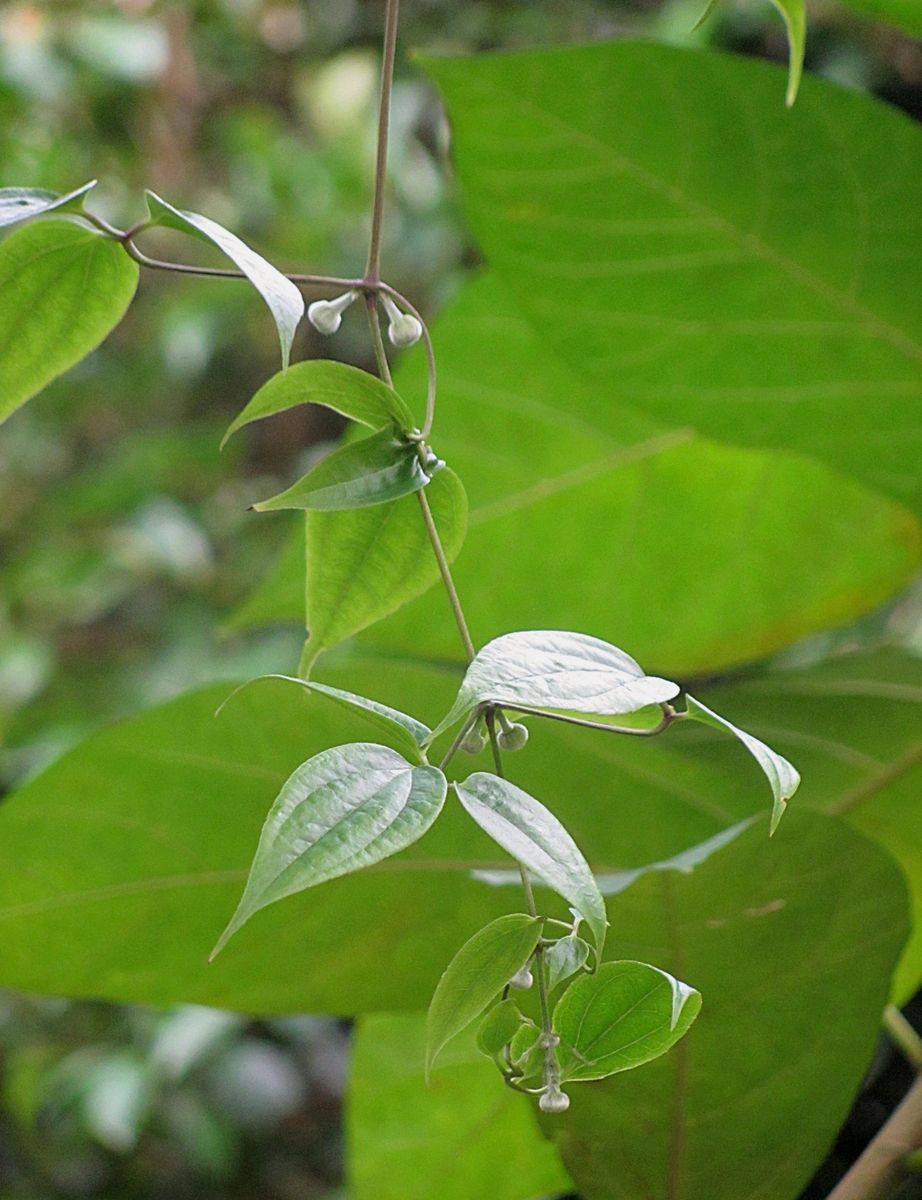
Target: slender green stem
445	571
377	339
373	269
670	716
904	1036
456	744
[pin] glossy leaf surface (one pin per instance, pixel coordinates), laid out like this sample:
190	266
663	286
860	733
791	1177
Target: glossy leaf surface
623	1015
375	470
344	809
567	956
475	976
535	837
283	298
355	394
63	289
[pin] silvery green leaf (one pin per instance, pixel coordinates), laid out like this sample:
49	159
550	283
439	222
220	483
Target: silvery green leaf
340	811
533	835
556	670
18	204
567	956
284	299
783	778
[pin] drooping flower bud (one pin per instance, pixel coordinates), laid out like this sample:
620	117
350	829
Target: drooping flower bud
474	740
513	737
404	329
553	1100
522	979
326	316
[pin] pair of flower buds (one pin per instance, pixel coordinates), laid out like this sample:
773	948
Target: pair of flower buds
403	329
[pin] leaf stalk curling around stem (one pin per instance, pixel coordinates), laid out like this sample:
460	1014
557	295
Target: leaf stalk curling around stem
551	1070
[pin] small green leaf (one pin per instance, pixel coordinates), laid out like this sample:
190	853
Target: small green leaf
567	956
63	288
533	835
284	299
407	732
499	1027
364	563
624	1015
794	15
375	470
347	390
18	204
478	972
555	670
342	810
783	778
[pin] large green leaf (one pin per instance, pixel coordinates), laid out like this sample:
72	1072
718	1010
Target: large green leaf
63	288
364	563
585	515
282	297
905	14
677	257
344	809
465	1135
347	390
528	831
374	470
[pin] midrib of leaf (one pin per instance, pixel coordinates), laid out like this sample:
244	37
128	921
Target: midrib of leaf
897	337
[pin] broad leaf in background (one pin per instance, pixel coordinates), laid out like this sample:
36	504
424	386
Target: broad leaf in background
533	835
791	943
904	14
555	669
624	1015
63	288
476	975
375	470
283	298
782	777
464	1135
344	809
347	390
18	204
581	508
364	563
676	258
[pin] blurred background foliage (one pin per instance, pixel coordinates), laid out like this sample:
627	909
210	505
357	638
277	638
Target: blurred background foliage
124	534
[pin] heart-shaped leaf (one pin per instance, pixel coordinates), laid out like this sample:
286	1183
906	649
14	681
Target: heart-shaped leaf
533	835
342	810
625	1014
18	204
477	973
284	299
355	394
554	670
782	777
375	470
567	956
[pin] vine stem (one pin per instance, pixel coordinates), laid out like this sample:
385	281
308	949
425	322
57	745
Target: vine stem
883	1166
373	269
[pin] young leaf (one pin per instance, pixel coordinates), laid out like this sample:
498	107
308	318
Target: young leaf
794	15
481	969
375	470
284	299
342	810
63	288
364	563
18	204
783	778
347	390
499	1027
533	835
407	732
557	670
624	1015
567	956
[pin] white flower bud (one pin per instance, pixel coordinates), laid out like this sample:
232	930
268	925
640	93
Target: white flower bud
554	1100
514	737
474	741
404	329
522	979
326	316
